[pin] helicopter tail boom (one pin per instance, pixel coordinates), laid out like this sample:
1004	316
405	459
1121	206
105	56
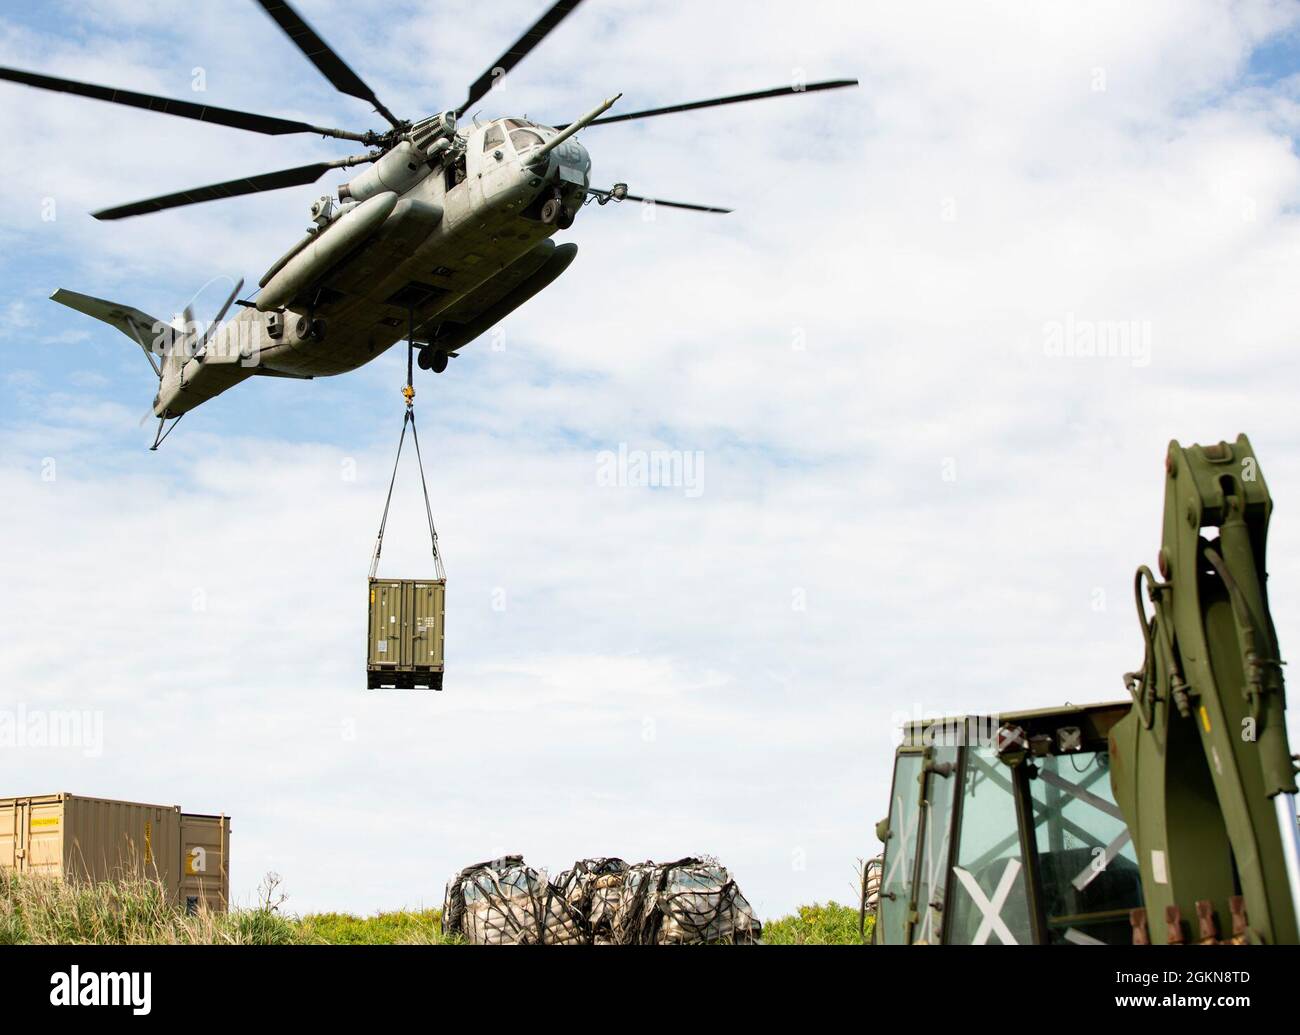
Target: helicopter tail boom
191	364
143	329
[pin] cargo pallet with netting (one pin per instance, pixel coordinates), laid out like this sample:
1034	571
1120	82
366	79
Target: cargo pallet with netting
602	901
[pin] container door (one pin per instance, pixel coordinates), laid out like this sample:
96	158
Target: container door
386	614
406	624
13	824
427	613
204	877
44	838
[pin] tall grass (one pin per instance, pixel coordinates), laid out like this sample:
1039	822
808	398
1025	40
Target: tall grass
132	911
136	911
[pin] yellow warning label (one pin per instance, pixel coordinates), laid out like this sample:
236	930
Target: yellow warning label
1205	719
46	821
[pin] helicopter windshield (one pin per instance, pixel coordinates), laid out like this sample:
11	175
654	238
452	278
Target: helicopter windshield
524	139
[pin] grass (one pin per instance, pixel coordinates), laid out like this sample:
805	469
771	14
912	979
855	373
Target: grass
831	924
40	911
401	928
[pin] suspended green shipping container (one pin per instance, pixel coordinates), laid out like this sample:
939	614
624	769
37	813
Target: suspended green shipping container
407	617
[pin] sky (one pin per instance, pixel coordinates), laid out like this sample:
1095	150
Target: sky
908	494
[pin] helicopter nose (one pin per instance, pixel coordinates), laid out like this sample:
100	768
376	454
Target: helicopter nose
573	156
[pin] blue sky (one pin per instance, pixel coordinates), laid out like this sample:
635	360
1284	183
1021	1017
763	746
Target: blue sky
670	674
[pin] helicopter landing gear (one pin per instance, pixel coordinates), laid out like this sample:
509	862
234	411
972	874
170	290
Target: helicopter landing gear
433	359
310	328
552	211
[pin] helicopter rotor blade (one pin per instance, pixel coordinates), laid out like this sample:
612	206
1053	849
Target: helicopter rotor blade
738	98
604	196
215	323
322	55
231	188
518	50
269	124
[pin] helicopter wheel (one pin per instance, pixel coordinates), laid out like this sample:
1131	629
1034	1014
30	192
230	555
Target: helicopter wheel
424	358
438	361
551	210
310	327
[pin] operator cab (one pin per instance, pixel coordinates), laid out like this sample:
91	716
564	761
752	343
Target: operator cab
1005	830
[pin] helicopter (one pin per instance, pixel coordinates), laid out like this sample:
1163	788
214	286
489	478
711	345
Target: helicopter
446	232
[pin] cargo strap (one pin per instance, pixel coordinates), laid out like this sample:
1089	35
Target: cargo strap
408	418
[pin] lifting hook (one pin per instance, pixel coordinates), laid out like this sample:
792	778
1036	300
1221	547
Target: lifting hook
408	390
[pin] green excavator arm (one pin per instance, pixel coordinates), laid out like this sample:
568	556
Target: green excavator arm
1201	767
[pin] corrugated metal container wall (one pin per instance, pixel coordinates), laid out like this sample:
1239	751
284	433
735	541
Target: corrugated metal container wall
406	631
106	840
95	839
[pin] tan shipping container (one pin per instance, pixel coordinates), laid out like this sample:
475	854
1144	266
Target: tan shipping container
404	648
94	839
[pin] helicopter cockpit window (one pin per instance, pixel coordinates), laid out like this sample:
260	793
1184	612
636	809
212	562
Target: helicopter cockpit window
494	137
524	139
454	173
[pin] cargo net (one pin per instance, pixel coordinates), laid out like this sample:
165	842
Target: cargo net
504	902
601	901
690	901
871	873
592	888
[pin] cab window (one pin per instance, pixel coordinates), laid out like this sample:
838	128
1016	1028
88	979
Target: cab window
493	138
900	850
934	837
1090	874
989	902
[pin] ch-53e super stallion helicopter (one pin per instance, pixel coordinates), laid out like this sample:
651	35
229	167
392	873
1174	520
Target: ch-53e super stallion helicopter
446	233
